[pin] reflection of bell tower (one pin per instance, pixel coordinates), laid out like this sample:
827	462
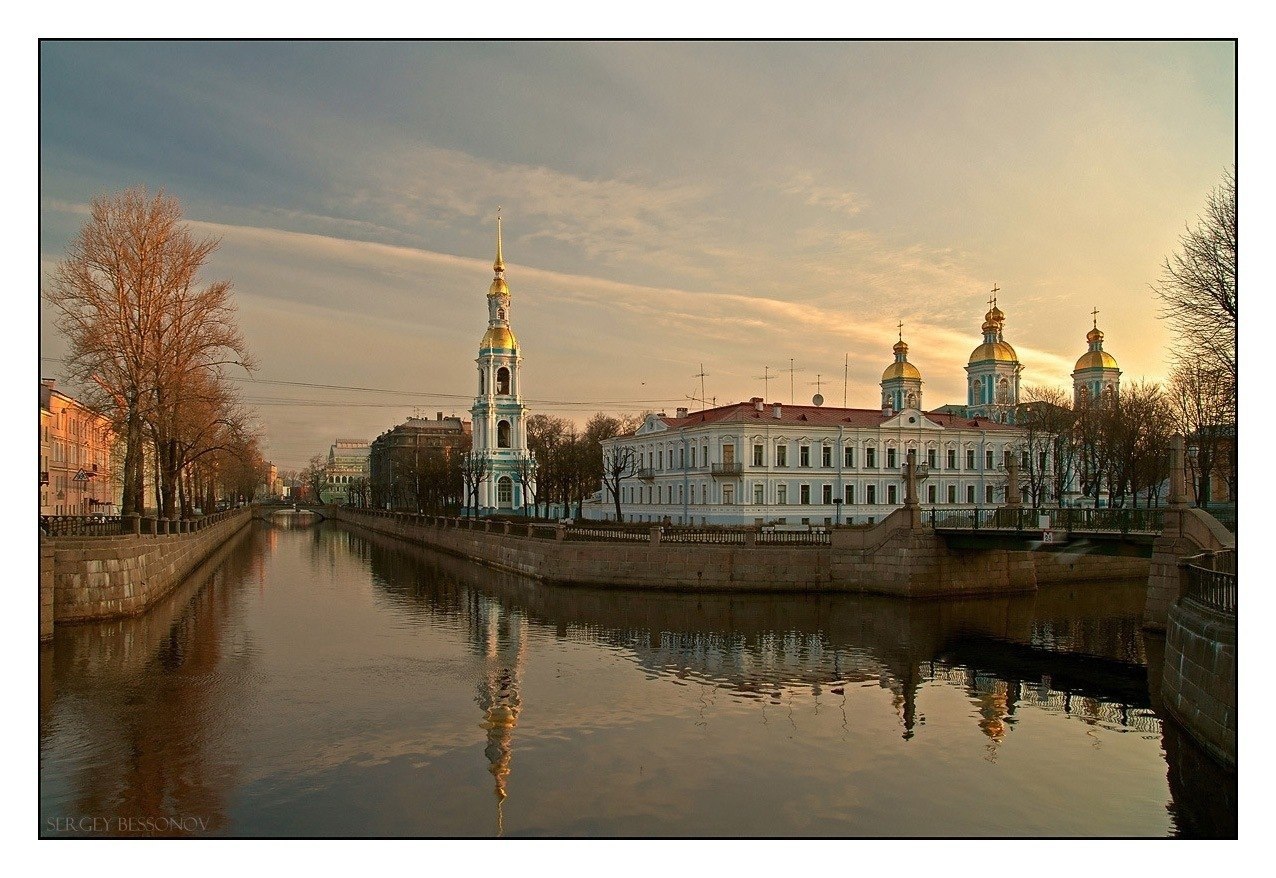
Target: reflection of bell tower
503	644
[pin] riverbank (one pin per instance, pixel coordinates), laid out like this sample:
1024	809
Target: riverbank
896	557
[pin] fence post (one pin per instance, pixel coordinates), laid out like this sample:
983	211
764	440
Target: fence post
560	531
655	534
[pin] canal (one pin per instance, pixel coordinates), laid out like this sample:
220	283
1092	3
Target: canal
321	680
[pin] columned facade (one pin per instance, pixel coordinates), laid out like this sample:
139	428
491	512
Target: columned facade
499	416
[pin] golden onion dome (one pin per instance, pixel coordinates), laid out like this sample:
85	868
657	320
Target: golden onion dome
1096	360
499	337
498	287
901	347
1094	335
901	370
988	326
999	351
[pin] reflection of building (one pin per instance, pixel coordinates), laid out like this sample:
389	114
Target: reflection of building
500	418
75	456
502	642
415	461
346	474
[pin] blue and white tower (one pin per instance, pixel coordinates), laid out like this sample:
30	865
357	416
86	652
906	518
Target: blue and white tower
500	418
992	374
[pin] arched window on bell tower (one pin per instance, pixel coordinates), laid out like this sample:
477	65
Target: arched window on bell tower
503	381
503	434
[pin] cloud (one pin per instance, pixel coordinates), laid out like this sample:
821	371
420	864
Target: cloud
803	185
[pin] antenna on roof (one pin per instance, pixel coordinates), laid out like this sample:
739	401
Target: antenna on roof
818	399
766	381
701	374
792	369
846	375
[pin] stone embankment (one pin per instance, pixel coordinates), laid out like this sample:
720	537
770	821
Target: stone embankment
899	556
90	578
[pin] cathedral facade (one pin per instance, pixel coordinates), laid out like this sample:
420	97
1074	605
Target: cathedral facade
765	463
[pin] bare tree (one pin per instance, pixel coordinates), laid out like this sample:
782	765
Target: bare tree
139	327
1198	287
620	462
1202	409
476	468
1048	423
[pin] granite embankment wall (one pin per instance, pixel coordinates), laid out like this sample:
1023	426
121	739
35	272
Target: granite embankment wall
102	577
1198	683
1188	532
897	557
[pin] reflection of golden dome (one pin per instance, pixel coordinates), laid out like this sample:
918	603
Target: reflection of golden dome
498	287
1096	360
499	337
1000	351
901	370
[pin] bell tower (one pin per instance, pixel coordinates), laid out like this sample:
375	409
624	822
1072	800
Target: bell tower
500	418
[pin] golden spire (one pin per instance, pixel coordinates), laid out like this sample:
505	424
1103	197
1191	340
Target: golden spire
499	264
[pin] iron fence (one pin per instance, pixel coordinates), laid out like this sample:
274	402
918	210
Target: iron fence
705	537
1067	519
1211	580
81	525
794	538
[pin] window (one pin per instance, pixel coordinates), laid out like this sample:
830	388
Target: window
781	494
826	455
660	459
1041	460
1024	460
758	453
660	494
930	459
826	495
952	493
870	494
728	454
848	456
804	495
988	458
970	493
870	458
693	457
970	458
503	434
890	458
930	494
504	491
758	494
850	494
503	381
781	455
682	458
987	493
892	495
728	495
804	455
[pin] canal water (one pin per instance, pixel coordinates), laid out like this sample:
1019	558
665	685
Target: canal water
322	680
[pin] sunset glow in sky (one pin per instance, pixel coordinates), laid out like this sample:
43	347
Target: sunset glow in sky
665	205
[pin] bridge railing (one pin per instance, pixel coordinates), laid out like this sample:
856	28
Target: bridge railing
1211	580
1068	519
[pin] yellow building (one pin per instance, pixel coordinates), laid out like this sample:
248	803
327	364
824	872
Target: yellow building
75	456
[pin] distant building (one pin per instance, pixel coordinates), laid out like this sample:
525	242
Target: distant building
346	474
405	462
75	456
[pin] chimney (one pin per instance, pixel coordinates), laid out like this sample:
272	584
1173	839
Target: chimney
682	412
757	403
438	416
776	411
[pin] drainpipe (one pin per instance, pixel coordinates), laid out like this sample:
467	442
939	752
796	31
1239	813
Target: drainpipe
841	491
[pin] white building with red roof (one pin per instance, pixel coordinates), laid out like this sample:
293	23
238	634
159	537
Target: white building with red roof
759	463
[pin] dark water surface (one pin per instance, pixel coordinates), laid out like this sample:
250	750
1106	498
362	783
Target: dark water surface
326	681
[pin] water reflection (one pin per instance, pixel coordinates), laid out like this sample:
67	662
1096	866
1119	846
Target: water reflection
201	708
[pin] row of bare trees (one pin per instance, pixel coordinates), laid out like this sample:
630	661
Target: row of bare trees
569	460
150	346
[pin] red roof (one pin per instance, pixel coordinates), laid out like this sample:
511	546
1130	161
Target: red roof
818	416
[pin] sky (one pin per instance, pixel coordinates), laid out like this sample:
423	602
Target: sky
669	208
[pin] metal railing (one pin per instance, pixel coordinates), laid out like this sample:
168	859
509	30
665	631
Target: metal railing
726	469
705	537
81	525
794	538
1065	519
577	533
1211	580
646	474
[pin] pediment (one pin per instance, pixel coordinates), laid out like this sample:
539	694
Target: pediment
911	419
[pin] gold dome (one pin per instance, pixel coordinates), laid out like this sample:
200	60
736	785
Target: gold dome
901	347
499	337
1000	351
1094	335
498	287
901	370
1096	360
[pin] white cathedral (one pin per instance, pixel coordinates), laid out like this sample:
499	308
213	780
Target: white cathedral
766	463
499	416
